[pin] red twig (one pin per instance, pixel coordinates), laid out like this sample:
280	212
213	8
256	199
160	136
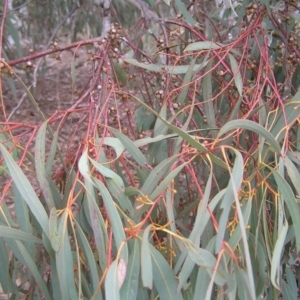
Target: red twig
50	51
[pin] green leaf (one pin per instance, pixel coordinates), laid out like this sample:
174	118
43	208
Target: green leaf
12	233
208	98
163	277
135	152
203	214
150	140
250	125
242	283
116	144
293	173
203	280
233	187
114	217
181	7
130	287
14	33
187	81
171	217
287	293
291	281
51	156
159	126
5	279
250	274
237	74
55	281
23	218
53	235
166	182
176	70
187	138
203	45
277	253
201	257
116	186
146	263
93	212
119	194
26	190
92	265
64	262
237	234
290	202
202	218
111	282
261	259
34	269
284	119
181	99
156	175
106	172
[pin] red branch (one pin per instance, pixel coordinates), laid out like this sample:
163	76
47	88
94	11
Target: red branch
50	51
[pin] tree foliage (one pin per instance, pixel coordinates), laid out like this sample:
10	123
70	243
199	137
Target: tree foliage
195	195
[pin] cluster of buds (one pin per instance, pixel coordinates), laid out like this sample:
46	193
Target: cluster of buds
5	69
29	66
251	9
179	31
124	97
114	35
161	44
159	95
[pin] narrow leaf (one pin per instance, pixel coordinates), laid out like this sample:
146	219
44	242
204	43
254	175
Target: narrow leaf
203	45
40	164
130	286
114	218
137	155
156	175
231	192
12	233
64	262
53	235
236	73
114	143
176	70
293	173
277	253
93	213
290	202
26	190
112	282
164	278
88	253
208	98
185	13
146	263
250	125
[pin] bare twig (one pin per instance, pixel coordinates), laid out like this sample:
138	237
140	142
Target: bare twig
50	51
1	43
18	105
51	39
106	24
